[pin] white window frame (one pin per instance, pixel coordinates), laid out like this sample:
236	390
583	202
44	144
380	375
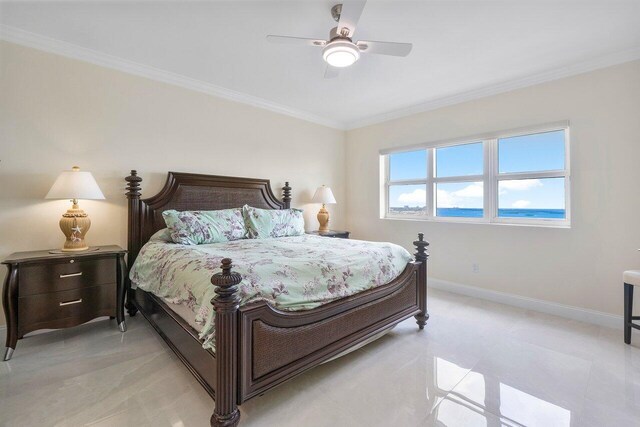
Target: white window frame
490	178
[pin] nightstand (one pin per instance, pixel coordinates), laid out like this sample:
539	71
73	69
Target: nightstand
331	233
55	289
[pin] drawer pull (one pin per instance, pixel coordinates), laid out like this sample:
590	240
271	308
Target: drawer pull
78	301
62	276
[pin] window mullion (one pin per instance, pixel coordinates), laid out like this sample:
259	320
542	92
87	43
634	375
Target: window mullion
567	176
531	175
431	200
387	178
408	182
495	180
488	162
452	179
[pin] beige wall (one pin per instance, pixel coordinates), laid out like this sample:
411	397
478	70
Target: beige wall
581	266
57	112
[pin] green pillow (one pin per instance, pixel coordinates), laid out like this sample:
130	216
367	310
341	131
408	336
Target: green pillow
265	223
202	227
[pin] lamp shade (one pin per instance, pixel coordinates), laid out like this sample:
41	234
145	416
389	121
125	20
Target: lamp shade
75	184
323	195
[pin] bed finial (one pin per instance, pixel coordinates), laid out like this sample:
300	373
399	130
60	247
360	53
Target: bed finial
226	280
421	256
286	195
133	185
226	303
421	248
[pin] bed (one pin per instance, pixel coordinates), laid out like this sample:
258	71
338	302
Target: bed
256	345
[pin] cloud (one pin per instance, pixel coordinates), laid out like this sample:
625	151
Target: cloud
473	190
417	196
445	199
520	204
460	198
518	185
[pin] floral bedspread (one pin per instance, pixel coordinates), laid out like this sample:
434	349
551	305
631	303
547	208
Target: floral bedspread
290	273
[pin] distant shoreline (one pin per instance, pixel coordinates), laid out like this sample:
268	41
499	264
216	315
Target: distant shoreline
478	213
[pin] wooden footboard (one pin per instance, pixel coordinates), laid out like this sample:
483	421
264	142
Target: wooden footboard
264	346
276	345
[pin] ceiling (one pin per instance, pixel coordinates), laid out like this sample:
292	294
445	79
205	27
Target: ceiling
459	47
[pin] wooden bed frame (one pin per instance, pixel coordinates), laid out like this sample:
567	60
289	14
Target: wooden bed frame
258	346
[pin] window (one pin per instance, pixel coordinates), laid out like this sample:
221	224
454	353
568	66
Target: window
407	189
513	177
531	176
459	180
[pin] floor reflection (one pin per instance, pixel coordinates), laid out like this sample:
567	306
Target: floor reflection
475	364
487	402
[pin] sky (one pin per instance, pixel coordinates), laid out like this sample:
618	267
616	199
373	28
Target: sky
538	152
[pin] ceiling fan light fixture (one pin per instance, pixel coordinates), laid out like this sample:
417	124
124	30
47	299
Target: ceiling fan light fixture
340	53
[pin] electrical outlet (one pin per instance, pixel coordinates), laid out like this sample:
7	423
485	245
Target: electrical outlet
475	268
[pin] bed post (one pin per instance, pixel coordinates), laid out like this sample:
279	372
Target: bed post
421	256
133	239
226	304
286	195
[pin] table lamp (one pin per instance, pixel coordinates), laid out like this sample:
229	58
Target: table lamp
325	196
75	223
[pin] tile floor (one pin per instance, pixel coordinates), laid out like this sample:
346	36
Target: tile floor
476	364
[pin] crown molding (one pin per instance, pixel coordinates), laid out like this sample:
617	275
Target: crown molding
547	76
47	44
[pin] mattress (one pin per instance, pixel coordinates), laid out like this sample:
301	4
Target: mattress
289	273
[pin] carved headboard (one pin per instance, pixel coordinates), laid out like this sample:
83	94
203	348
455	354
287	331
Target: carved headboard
189	191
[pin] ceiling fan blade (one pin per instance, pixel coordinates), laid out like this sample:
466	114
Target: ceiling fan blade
384	48
350	15
300	41
331	72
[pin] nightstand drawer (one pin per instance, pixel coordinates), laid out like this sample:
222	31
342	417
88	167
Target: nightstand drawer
66	308
69	274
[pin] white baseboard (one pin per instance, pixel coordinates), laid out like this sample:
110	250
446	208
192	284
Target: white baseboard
567	311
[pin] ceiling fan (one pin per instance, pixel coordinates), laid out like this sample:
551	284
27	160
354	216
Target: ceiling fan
340	51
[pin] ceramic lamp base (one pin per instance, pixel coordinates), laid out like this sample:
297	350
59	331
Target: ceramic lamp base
74	224
323	219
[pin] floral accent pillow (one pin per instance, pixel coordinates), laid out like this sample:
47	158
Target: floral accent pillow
265	223
202	227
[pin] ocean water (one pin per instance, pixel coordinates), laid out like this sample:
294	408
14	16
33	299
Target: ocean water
503	213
